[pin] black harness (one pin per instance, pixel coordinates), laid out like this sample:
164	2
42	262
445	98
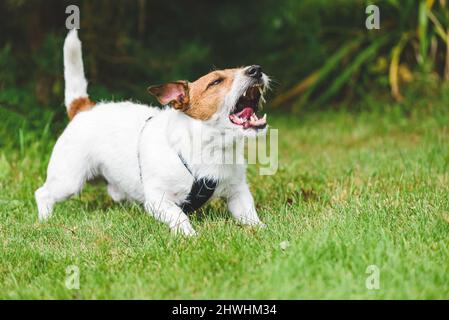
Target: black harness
201	191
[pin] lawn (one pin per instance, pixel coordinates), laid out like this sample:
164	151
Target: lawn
352	190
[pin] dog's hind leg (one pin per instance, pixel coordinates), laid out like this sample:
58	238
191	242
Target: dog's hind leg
67	172
44	203
115	193
54	191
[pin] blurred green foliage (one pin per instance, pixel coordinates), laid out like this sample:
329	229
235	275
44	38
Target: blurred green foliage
317	51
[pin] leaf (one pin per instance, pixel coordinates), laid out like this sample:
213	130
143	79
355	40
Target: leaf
422	33
345	76
438	27
446	67
331	64
297	89
429	4
394	66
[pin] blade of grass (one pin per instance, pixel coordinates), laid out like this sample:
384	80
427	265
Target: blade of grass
446	67
21	142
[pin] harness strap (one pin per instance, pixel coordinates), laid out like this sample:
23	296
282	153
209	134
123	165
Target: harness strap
201	190
138	148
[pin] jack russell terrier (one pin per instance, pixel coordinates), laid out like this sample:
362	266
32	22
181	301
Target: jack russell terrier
146	153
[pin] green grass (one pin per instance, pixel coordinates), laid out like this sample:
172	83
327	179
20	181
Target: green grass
351	191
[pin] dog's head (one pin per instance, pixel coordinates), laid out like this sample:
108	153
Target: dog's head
225	99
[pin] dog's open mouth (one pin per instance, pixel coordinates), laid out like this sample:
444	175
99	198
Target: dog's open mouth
244	113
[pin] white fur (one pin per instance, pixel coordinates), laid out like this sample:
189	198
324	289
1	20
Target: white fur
75	82
106	140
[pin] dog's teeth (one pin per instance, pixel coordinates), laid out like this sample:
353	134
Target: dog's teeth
264	117
244	93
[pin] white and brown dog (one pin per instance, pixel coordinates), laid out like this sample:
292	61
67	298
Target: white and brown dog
146	153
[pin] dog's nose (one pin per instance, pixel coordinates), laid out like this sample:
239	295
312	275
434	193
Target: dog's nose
254	71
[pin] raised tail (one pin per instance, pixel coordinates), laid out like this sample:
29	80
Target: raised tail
76	97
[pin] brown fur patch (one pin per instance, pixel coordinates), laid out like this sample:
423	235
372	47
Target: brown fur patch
78	105
205	98
199	99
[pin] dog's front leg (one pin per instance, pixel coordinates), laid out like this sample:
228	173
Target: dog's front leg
169	213
241	205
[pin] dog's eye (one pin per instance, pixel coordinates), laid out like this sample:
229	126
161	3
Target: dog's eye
215	82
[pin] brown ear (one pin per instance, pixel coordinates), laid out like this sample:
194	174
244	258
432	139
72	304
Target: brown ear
174	93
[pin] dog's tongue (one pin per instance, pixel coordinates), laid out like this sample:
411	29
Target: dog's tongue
247	118
246	113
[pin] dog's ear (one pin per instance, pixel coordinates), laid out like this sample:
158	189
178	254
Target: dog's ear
174	93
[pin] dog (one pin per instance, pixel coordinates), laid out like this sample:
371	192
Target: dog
146	153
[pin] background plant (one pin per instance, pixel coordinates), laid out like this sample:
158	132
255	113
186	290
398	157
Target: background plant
319	52
364	184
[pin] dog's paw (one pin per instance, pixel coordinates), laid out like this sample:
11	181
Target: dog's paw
184	229
261	225
252	223
258	225
44	206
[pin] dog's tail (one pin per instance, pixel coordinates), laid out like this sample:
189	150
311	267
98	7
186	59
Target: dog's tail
76	97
